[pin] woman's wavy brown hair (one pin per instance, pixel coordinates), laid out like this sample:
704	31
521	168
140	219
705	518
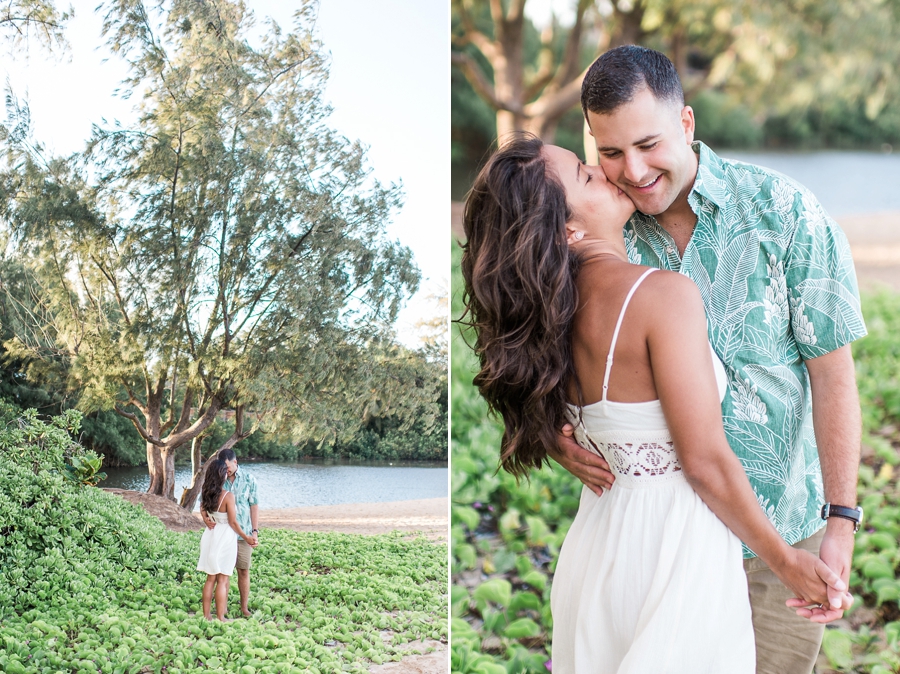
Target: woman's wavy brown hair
520	298
212	485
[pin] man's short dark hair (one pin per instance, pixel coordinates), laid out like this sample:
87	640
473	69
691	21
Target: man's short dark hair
227	455
619	73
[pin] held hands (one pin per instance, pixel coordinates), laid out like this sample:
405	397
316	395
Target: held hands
836	553
591	469
813	582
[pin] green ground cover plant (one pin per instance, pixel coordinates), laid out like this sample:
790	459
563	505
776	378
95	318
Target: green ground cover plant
505	537
90	583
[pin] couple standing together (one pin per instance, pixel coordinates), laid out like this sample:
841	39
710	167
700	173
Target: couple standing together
709	345
229	506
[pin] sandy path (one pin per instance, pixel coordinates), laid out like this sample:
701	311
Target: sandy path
429	516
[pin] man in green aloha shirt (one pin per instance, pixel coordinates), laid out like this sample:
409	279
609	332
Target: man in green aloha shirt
243	485
779	287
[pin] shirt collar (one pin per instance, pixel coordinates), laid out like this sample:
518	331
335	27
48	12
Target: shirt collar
710	171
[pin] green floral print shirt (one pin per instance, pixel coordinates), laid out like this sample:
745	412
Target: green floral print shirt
244	490
779	286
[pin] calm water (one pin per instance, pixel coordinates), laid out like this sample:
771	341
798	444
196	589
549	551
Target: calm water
292	485
845	183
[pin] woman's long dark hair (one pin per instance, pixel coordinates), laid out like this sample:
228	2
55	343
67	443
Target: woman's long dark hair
212	485
520	298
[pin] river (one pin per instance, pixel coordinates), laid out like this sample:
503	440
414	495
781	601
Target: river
317	482
845	183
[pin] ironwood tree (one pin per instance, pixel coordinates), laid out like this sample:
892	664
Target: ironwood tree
226	252
20	20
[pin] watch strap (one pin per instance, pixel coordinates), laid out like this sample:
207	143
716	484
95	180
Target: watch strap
853	514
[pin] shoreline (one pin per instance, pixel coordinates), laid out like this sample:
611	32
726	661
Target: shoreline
429	516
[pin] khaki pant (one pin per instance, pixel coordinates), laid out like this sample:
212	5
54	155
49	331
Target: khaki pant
243	555
785	642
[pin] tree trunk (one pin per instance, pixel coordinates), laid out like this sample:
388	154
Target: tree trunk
630	31
168	486
196	456
155	467
189	495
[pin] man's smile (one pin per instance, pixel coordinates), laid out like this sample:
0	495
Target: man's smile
647	185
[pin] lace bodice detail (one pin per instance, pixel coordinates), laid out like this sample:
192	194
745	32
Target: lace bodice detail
635	456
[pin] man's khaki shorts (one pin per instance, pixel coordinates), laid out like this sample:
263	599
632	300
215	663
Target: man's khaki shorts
244	554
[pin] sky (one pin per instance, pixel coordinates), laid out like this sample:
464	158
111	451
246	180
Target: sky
389	87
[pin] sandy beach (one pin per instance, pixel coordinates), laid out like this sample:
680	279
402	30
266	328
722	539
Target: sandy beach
430	516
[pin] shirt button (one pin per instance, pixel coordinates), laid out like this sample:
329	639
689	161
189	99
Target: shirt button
670	249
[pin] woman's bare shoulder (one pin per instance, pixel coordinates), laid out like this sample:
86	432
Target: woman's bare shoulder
670	292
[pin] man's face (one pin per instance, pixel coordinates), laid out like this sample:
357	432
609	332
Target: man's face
645	149
231	464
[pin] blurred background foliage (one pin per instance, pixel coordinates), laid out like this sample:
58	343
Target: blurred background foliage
759	73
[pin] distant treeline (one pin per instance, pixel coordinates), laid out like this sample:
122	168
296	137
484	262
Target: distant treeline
115	438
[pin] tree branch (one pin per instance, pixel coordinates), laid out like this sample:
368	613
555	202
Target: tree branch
137	424
477	79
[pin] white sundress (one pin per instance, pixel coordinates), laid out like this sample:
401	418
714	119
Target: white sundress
218	546
649	580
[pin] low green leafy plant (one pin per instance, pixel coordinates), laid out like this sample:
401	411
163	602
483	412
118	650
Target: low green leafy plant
91	583
84	469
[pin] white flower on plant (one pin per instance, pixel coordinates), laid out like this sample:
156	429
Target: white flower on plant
775	301
804	330
747	404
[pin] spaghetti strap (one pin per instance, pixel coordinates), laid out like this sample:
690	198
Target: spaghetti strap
221	498
615	337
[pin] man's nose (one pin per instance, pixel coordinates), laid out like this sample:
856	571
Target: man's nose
635	169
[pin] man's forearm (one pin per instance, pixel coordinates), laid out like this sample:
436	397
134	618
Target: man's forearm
837	423
254	516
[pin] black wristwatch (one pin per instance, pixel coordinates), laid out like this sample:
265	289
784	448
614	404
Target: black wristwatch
855	515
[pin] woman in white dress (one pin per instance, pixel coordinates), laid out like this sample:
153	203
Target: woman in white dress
218	546
650	576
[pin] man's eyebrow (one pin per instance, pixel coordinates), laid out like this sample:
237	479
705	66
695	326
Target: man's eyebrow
645	139
578	172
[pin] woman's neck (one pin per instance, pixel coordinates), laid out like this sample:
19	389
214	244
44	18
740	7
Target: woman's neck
602	249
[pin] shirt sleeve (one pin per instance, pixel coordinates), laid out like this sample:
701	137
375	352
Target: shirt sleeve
821	281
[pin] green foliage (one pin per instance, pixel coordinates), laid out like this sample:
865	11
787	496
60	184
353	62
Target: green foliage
793	75
723	122
84	469
23	19
90	582
505	537
30	442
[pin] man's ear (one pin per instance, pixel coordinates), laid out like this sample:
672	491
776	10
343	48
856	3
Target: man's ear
687	123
